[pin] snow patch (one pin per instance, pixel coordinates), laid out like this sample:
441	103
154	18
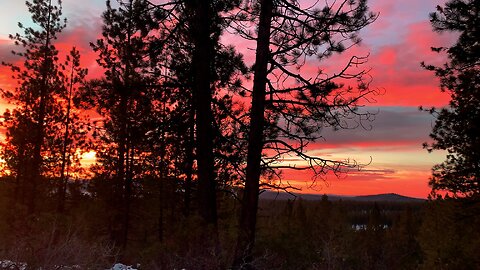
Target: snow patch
119	266
9	265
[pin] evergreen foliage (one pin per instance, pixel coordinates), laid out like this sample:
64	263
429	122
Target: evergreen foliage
35	141
457	126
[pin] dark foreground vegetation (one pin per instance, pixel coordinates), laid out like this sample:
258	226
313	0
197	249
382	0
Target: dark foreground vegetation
292	234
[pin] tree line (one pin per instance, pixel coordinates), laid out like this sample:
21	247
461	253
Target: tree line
173	104
184	130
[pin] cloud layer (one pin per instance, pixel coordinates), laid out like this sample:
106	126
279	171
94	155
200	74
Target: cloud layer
397	42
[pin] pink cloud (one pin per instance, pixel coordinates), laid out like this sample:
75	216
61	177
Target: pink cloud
397	69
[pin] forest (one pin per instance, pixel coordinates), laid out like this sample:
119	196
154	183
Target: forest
187	134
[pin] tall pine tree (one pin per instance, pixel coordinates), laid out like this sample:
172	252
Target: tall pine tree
288	108
124	100
29	149
457	126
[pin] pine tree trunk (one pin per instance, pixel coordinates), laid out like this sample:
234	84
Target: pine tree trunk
19	191
161	206
248	217
62	189
35	170
202	65
162	171
189	163
120	196
126	136
130	150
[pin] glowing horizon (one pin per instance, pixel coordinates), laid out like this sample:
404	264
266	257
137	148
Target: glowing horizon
397	42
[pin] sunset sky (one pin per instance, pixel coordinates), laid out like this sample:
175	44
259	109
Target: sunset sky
397	42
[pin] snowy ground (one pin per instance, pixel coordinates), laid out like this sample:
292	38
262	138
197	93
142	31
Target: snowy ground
120	266
10	265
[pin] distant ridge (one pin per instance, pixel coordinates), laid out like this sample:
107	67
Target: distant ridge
391	197
387	197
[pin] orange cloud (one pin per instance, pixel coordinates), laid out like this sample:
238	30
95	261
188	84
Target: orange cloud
407	183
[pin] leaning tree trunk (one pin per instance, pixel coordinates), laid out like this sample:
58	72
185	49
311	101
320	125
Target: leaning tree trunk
248	217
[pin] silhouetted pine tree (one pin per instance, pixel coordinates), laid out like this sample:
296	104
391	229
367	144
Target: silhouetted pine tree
289	110
31	146
200	24
73	125
457	126
124	100
205	74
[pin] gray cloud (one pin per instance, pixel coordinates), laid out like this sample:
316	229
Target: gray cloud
391	124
